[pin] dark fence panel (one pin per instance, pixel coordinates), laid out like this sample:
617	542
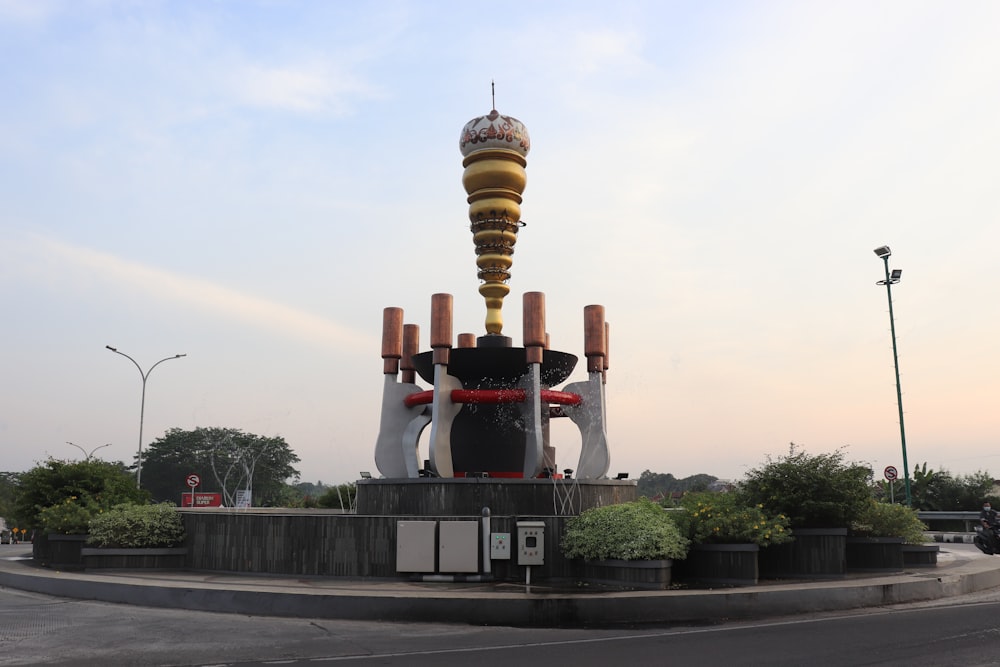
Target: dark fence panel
342	545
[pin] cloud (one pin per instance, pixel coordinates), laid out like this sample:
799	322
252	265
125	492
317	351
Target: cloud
307	89
18	11
48	255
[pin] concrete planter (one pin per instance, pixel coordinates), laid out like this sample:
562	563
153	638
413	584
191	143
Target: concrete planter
875	554
642	574
815	553
720	565
920	555
150	558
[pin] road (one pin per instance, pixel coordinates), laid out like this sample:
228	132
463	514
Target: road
37	629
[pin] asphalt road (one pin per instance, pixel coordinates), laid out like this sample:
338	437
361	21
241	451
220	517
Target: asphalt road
37	629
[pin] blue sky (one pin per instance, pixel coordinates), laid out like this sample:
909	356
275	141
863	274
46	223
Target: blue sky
251	183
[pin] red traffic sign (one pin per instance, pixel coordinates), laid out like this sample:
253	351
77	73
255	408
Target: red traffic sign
193	480
891	473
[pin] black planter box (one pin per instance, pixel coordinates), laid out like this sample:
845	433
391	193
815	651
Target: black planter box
875	554
815	553
719	565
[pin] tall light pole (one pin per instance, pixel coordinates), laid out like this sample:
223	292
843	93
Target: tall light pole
86	455
891	279
142	405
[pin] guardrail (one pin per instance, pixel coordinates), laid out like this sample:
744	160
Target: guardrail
970	518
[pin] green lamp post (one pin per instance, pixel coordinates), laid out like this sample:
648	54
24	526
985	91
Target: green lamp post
891	279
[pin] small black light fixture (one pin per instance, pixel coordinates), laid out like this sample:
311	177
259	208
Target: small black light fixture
366	475
621	475
568	473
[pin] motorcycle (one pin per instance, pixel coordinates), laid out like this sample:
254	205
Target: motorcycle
988	543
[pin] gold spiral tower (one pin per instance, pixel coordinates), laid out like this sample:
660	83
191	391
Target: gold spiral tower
494	148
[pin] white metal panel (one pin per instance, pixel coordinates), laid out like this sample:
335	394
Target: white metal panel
458	549
415	546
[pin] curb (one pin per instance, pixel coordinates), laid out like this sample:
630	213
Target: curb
393	601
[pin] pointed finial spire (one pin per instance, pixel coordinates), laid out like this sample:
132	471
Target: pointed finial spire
493	93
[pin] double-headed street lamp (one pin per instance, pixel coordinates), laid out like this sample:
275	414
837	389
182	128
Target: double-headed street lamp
891	279
86	455
142	405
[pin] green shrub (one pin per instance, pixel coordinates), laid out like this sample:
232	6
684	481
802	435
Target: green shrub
727	518
338	497
639	530
821	491
888	520
131	526
92	485
70	517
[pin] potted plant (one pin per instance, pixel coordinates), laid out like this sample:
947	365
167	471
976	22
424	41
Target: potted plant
630	544
136	536
726	533
877	537
821	495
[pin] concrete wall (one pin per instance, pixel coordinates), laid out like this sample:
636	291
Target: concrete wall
463	496
320	543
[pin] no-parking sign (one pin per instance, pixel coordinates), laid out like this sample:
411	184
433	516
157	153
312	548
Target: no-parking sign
193	480
891	473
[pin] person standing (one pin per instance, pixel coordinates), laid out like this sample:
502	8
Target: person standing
988	519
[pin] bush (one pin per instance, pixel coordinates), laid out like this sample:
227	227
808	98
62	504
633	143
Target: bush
887	520
70	517
639	530
129	526
338	497
90	485
820	491
727	518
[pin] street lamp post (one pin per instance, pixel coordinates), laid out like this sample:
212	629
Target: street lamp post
86	455
883	253
142	405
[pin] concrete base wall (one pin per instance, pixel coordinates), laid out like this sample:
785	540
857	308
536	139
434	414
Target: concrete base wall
342	545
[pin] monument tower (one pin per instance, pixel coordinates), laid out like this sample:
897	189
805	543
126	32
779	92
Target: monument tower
490	403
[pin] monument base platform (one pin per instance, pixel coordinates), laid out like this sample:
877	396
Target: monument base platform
434	496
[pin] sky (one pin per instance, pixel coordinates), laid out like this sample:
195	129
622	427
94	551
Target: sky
250	183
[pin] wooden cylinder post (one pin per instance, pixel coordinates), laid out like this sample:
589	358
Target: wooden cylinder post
594	343
441	305
607	346
411	346
534	326
392	339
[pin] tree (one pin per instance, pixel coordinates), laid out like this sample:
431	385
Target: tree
302	494
8	488
91	484
939	490
651	484
226	459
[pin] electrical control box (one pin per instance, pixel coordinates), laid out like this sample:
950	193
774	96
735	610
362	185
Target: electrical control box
500	546
530	543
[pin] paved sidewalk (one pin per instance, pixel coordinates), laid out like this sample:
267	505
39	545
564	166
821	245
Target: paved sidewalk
961	569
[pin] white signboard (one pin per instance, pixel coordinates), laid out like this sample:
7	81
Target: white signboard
243	498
